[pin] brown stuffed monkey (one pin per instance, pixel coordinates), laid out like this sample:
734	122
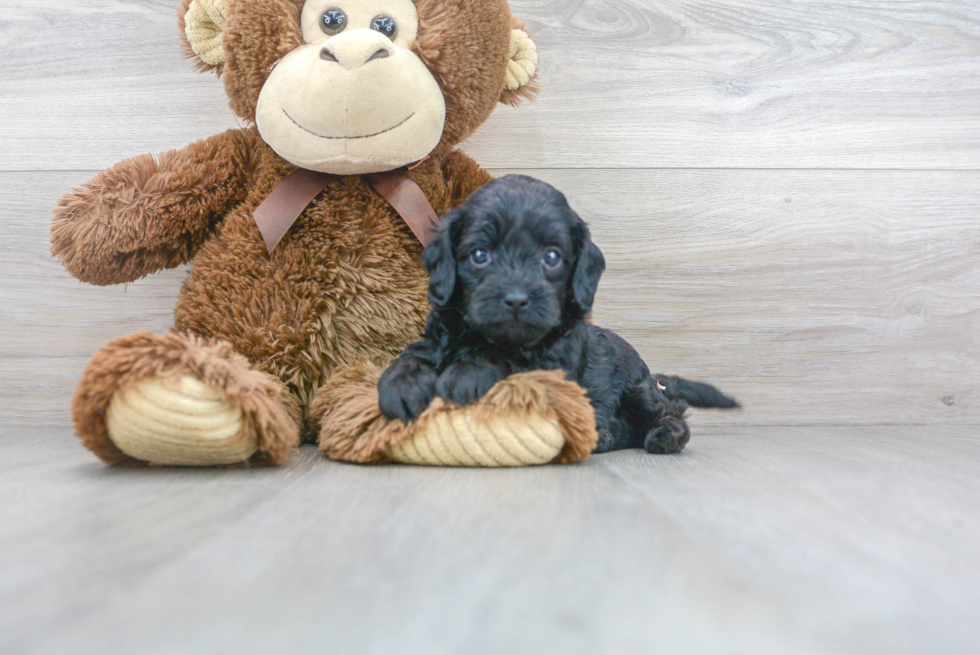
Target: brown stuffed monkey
282	338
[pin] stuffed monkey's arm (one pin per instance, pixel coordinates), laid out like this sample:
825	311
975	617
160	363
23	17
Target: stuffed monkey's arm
463	176
152	211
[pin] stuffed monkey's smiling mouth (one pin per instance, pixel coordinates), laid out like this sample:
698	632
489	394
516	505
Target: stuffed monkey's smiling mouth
363	136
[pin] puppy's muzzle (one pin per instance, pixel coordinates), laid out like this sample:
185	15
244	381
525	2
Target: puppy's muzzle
516	302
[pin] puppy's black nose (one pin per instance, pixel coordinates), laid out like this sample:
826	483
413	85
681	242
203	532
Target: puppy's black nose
516	301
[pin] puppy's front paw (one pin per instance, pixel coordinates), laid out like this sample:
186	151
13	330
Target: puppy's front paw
406	388
670	435
464	382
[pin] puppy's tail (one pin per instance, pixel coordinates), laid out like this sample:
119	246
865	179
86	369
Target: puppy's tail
697	394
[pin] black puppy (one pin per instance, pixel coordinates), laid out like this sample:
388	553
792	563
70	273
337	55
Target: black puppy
513	273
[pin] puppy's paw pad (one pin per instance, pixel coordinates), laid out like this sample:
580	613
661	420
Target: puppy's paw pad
463	393
406	394
668	437
464	385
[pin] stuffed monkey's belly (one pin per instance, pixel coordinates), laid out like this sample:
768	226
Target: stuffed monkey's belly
328	295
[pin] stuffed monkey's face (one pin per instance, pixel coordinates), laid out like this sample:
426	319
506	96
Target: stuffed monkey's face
353	98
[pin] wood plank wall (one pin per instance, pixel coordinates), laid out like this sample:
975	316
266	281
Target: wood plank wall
787	192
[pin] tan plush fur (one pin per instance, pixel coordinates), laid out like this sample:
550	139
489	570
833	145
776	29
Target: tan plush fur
346	284
153	211
354	430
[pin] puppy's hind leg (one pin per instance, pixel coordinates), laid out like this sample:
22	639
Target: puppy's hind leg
658	421
669	435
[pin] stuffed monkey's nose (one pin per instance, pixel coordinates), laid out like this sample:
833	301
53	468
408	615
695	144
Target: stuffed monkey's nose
354	50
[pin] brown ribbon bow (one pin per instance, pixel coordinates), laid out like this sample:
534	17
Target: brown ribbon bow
283	206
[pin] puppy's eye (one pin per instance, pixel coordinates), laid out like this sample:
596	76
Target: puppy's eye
333	21
480	258
552	259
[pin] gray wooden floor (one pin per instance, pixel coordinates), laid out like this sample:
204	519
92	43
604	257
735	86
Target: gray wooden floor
755	540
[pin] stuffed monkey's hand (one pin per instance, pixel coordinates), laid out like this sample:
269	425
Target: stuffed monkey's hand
150	212
88	235
465	382
406	388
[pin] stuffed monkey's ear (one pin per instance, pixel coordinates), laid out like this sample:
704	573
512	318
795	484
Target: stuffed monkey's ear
522	67
200	23
440	260
589	265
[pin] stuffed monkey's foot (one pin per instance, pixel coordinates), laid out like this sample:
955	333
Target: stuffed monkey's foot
184	401
178	422
529	418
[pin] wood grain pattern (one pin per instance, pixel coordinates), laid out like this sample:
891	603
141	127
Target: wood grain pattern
814	297
755	540
629	83
752	84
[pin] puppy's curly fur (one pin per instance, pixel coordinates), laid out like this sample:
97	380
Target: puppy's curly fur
513	273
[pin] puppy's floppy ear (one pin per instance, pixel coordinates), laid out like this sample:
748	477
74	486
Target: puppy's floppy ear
440	260
589	265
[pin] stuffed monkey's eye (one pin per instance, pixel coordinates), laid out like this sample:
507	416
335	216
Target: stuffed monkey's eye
552	258
481	258
333	21
384	25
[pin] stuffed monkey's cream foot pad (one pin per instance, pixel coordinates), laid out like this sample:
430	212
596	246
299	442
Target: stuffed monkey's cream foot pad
456	439
178	422
527	419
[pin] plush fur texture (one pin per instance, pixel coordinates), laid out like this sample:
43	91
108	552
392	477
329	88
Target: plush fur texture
153	211
346	284
354	430
269	412
513	277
